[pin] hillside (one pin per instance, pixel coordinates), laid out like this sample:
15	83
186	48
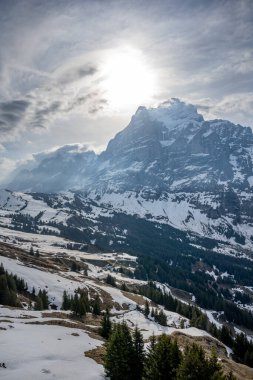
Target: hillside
166	209
57	344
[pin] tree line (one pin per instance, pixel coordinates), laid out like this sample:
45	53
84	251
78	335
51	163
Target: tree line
11	285
126	359
80	304
242	348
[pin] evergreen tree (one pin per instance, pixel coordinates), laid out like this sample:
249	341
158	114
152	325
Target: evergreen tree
96	306
106	325
45	300
230	376
38	303
74	266
65	301
81	311
124	287
111	280
195	366
75	304
146	310
138	354
162	360
119	355
161	318
8	290
2	271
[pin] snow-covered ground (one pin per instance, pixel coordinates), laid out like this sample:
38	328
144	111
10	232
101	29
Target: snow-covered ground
178	210
54	283
32	351
56	245
149	327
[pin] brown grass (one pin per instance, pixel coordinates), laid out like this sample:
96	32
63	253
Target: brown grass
241	371
55	314
96	354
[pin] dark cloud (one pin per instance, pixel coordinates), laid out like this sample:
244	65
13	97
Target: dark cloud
11	113
15	106
75	74
41	114
98	106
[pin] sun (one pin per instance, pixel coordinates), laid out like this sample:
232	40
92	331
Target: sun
128	79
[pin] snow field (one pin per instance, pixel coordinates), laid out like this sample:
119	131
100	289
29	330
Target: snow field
47	352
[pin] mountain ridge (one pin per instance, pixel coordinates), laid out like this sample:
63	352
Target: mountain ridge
161	148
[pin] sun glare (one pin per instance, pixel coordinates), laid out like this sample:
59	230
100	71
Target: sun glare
128	79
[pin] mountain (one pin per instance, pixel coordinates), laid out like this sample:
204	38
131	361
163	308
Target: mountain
169	148
168	165
171	189
69	166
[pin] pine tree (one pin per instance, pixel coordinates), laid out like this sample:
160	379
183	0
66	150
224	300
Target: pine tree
111	280
119	355
45	300
106	325
161	318
195	365
213	365
81	311
146	310
75	304
96	306
65	301
74	266
38	303
162	360
138	353
230	376
2	271
124	287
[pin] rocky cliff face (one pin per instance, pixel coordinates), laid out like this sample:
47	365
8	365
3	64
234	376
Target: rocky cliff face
169	148
168	165
173	149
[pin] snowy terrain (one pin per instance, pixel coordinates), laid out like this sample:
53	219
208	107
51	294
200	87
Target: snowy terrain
44	351
185	212
50	344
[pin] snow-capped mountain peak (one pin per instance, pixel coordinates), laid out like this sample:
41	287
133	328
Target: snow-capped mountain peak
174	112
170	148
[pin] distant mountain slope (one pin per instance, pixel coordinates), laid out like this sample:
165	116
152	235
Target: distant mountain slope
68	167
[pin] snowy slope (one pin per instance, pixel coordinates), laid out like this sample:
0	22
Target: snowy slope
201	214
44	351
168	166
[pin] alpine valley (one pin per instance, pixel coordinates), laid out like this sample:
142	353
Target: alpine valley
169	202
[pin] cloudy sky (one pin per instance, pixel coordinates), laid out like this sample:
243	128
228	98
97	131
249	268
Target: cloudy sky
75	71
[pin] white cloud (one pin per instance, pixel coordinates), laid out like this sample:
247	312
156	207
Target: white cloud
6	167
